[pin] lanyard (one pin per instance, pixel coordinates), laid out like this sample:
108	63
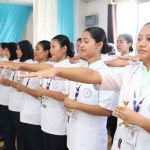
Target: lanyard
77	91
27	82
14	76
137	107
48	84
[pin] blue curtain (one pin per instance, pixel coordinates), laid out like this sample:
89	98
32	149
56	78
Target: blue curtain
13	21
66	18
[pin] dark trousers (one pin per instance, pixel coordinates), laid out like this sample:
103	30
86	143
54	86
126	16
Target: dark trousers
18	129
7	131
55	142
1	121
111	126
33	139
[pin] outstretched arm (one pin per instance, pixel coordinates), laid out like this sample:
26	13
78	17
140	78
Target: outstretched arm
25	66
84	75
122	61
117	62
34	67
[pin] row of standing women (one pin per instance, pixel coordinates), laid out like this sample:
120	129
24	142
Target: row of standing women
49	115
12	98
133	111
43	120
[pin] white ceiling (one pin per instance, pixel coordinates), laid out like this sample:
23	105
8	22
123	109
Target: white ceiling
21	2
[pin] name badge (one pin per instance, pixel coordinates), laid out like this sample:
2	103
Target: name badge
43	103
74	114
132	135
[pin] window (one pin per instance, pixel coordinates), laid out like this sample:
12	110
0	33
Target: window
143	14
131	16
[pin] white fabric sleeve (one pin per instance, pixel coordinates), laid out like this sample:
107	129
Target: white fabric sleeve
111	79
108	99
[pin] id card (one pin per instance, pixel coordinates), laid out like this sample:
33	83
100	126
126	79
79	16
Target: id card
74	114
132	135
43	103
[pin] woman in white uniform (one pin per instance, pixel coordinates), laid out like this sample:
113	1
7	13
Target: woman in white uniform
124	44
5	118
30	107
87	123
24	52
2	58
133	83
53	115
124	47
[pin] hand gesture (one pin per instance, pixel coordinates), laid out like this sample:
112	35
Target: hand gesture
127	115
